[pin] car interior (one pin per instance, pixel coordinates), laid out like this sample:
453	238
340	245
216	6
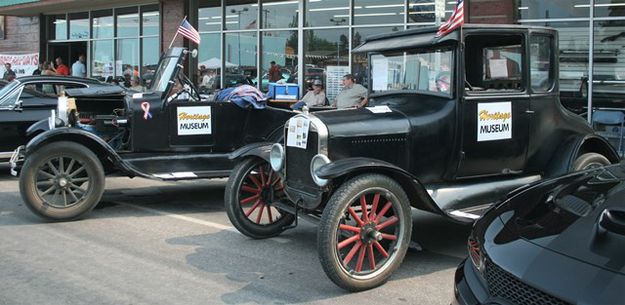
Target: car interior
494	63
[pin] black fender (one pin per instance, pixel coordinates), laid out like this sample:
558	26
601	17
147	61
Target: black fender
259	149
410	183
38	127
564	158
107	155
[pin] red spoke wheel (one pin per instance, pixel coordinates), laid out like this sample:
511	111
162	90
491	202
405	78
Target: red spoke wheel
62	181
252	188
364	232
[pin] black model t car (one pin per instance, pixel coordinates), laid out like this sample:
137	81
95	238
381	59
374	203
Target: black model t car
454	123
561	241
25	101
168	133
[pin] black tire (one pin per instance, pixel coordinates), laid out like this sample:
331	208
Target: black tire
62	181
338	241
251	188
589	161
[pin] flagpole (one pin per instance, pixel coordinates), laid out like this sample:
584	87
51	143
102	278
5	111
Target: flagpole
176	35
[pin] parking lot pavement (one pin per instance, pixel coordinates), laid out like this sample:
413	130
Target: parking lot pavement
171	243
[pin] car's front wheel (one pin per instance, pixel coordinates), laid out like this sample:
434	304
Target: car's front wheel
62	181
252	188
364	232
590	160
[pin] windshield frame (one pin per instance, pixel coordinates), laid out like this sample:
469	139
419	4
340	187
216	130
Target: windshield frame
5	92
163	77
453	82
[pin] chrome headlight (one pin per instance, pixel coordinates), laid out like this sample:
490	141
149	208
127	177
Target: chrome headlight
276	157
317	162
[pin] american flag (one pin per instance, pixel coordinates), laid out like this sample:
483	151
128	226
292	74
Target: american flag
187	30
455	20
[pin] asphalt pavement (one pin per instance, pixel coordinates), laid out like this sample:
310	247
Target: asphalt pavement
151	242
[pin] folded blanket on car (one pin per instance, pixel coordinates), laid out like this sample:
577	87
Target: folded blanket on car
244	96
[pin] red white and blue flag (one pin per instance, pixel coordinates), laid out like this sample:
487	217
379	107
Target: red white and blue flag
187	30
455	20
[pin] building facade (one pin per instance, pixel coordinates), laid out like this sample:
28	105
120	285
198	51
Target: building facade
309	38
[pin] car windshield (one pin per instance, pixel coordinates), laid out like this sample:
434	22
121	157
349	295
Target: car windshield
6	101
163	74
425	71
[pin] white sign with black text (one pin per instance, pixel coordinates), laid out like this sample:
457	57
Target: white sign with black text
297	134
494	121
194	121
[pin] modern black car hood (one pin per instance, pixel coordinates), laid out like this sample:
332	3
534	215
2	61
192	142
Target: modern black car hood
98	90
562	215
364	122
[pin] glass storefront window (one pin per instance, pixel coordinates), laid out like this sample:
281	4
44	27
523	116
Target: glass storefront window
127	22
609	64
378	12
151	20
127	58
102	64
422	11
79	26
539	9
209	62
57	25
240	55
280	47
209	16
326	13
609	8
326	57
150	52
241	14
279	14
102	23
360	64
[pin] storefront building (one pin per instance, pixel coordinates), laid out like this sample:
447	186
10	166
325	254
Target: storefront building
241	37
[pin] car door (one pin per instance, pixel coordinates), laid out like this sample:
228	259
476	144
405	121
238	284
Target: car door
495	107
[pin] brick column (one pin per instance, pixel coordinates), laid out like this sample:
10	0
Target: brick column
172	12
21	35
492	11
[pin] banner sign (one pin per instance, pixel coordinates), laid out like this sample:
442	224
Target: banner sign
194	121
21	64
494	121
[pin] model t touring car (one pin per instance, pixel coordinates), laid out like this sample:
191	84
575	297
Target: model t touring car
454	124
167	133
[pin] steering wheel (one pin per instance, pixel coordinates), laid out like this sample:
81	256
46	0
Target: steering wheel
189	88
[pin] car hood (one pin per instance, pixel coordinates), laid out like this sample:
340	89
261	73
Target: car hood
562	215
368	121
96	90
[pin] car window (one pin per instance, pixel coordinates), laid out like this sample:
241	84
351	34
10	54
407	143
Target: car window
494	63
541	57
49	89
425	71
10	100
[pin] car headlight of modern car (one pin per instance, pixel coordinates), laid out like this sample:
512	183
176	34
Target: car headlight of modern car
318	161
475	253
276	157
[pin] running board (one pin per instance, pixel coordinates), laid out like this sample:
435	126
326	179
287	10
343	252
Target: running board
468	201
290	208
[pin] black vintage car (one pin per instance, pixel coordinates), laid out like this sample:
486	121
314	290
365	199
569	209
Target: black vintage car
27	100
167	133
454	124
558	242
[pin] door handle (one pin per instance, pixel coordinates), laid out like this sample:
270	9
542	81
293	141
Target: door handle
530	111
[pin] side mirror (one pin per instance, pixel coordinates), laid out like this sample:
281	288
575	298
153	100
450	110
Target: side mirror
18	106
612	221
194	53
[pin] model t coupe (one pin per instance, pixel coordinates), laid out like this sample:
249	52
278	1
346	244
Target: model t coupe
454	124
167	133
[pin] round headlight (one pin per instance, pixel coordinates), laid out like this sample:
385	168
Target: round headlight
276	157
317	162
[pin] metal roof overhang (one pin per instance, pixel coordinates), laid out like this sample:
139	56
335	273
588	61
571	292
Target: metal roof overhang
48	7
401	42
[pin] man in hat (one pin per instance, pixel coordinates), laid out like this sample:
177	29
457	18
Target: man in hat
316	96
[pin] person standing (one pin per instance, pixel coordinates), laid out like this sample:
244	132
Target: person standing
274	72
78	68
39	69
352	94
8	73
61	68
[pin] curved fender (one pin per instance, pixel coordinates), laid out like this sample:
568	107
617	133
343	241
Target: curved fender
259	149
40	126
91	141
414	189
562	161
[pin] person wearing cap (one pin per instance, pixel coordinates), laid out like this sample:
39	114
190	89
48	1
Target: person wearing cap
316	96
135	84
352	94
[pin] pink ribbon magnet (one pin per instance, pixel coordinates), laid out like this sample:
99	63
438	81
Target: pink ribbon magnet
145	106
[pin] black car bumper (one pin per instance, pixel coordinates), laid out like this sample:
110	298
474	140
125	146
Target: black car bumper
467	287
